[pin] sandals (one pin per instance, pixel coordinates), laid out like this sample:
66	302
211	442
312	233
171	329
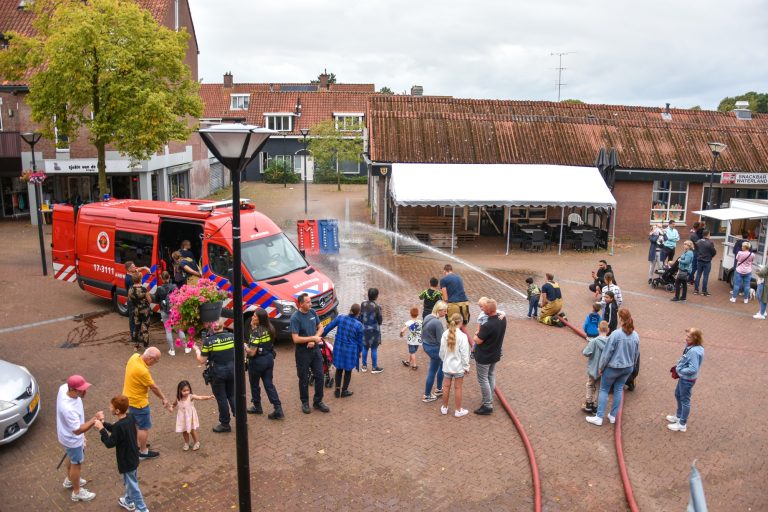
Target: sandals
405	363
415	367
196	446
185	447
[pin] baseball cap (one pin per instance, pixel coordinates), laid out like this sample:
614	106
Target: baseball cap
78	382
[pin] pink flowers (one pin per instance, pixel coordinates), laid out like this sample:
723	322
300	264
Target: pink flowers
184	313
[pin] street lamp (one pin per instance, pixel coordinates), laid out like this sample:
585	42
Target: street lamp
304	133
32	138
716	148
235	146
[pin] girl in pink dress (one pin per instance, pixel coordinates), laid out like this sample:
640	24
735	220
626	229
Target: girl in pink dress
187	421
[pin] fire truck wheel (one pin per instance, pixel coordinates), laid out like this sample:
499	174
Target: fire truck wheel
120	308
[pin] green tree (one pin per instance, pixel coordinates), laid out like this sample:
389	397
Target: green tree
386	90
330	146
331	78
108	67
758	102
573	102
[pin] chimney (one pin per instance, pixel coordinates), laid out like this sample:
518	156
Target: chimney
228	80
324	76
417	90
666	115
742	111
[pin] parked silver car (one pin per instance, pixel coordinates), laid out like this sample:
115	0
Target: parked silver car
19	401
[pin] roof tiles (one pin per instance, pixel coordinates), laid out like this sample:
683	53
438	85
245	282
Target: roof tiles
429	129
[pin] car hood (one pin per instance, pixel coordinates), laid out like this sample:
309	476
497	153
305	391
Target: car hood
13	381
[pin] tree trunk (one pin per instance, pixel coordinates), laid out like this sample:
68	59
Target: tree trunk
101	165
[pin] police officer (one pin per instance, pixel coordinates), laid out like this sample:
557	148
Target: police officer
219	349
261	362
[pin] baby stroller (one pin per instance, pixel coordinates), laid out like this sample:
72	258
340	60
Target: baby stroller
666	277
326	349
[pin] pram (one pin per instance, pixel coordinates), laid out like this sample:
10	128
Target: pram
666	277
326	349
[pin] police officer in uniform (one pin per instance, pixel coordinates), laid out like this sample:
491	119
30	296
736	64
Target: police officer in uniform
261	362
219	349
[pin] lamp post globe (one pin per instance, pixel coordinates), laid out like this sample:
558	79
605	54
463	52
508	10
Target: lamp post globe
235	146
716	148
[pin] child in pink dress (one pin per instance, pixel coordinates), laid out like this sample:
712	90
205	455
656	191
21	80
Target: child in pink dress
187	421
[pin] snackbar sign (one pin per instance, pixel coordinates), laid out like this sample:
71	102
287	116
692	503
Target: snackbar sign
744	178
86	166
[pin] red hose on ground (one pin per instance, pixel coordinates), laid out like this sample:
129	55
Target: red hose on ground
528	450
617	438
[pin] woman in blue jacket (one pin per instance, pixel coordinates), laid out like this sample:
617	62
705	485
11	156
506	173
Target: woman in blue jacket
687	371
684	268
619	357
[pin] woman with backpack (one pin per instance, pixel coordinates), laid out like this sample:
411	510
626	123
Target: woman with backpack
162	297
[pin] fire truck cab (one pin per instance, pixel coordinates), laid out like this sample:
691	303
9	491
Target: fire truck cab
92	243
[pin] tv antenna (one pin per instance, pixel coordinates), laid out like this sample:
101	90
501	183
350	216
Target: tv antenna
560	69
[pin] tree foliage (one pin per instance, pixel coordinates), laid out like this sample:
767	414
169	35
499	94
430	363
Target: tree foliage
758	102
109	67
572	102
329	146
331	78
386	90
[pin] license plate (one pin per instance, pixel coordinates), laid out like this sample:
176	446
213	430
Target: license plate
33	403
325	322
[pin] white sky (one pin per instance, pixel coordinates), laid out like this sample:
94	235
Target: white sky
685	52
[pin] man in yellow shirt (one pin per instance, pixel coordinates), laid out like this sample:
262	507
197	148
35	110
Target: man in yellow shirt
138	383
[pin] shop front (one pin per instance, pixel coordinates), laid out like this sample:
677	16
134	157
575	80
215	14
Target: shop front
76	181
735	185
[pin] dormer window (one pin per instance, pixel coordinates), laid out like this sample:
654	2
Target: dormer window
279	121
349	121
239	101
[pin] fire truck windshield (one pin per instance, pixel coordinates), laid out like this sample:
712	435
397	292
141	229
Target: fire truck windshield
272	256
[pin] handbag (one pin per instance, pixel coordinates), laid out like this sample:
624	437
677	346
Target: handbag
682	275
673	372
653	238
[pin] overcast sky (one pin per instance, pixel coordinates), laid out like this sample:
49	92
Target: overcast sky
646	53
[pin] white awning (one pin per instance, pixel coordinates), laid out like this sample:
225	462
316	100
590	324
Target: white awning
732	214
498	185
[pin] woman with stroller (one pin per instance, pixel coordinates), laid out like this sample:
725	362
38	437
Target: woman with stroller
655	239
684	268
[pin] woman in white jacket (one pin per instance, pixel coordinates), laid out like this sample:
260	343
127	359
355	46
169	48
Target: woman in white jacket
454	352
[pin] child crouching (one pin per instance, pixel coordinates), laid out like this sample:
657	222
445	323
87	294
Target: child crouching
593	350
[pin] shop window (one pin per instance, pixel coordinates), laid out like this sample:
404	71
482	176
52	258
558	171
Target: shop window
220	260
179	185
670	199
134	247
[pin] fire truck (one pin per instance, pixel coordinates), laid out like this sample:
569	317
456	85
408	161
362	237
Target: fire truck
92	243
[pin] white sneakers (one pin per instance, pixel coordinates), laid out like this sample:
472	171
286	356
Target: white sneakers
460	412
443	409
595	420
758	316
68	485
674	424
732	299
746	301
612	419
187	350
83	495
171	352
672	419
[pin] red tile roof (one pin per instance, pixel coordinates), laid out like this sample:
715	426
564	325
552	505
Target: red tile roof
318	105
429	129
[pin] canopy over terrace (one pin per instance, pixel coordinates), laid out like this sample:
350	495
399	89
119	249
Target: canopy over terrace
452	185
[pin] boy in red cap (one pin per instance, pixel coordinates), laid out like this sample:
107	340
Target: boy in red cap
71	428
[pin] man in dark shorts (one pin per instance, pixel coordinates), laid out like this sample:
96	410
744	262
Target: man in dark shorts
306	331
452	288
488	341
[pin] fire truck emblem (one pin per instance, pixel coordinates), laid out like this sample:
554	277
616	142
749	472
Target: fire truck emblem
102	241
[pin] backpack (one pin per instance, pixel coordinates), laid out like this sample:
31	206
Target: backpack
593	321
161	296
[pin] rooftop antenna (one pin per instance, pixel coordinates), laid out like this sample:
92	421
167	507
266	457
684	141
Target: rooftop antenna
560	69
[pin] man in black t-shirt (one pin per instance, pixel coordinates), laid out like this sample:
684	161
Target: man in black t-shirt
488	340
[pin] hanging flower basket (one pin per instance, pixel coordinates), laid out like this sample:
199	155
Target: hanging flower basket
195	307
30	176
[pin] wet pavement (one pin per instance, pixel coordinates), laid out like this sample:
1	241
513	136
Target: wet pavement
383	449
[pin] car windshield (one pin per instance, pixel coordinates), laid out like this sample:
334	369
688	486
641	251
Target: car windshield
271	257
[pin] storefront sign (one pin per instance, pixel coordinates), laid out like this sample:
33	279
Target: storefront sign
86	166
744	178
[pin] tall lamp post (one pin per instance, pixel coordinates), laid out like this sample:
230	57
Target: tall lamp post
716	148
235	146
304	133
32	138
